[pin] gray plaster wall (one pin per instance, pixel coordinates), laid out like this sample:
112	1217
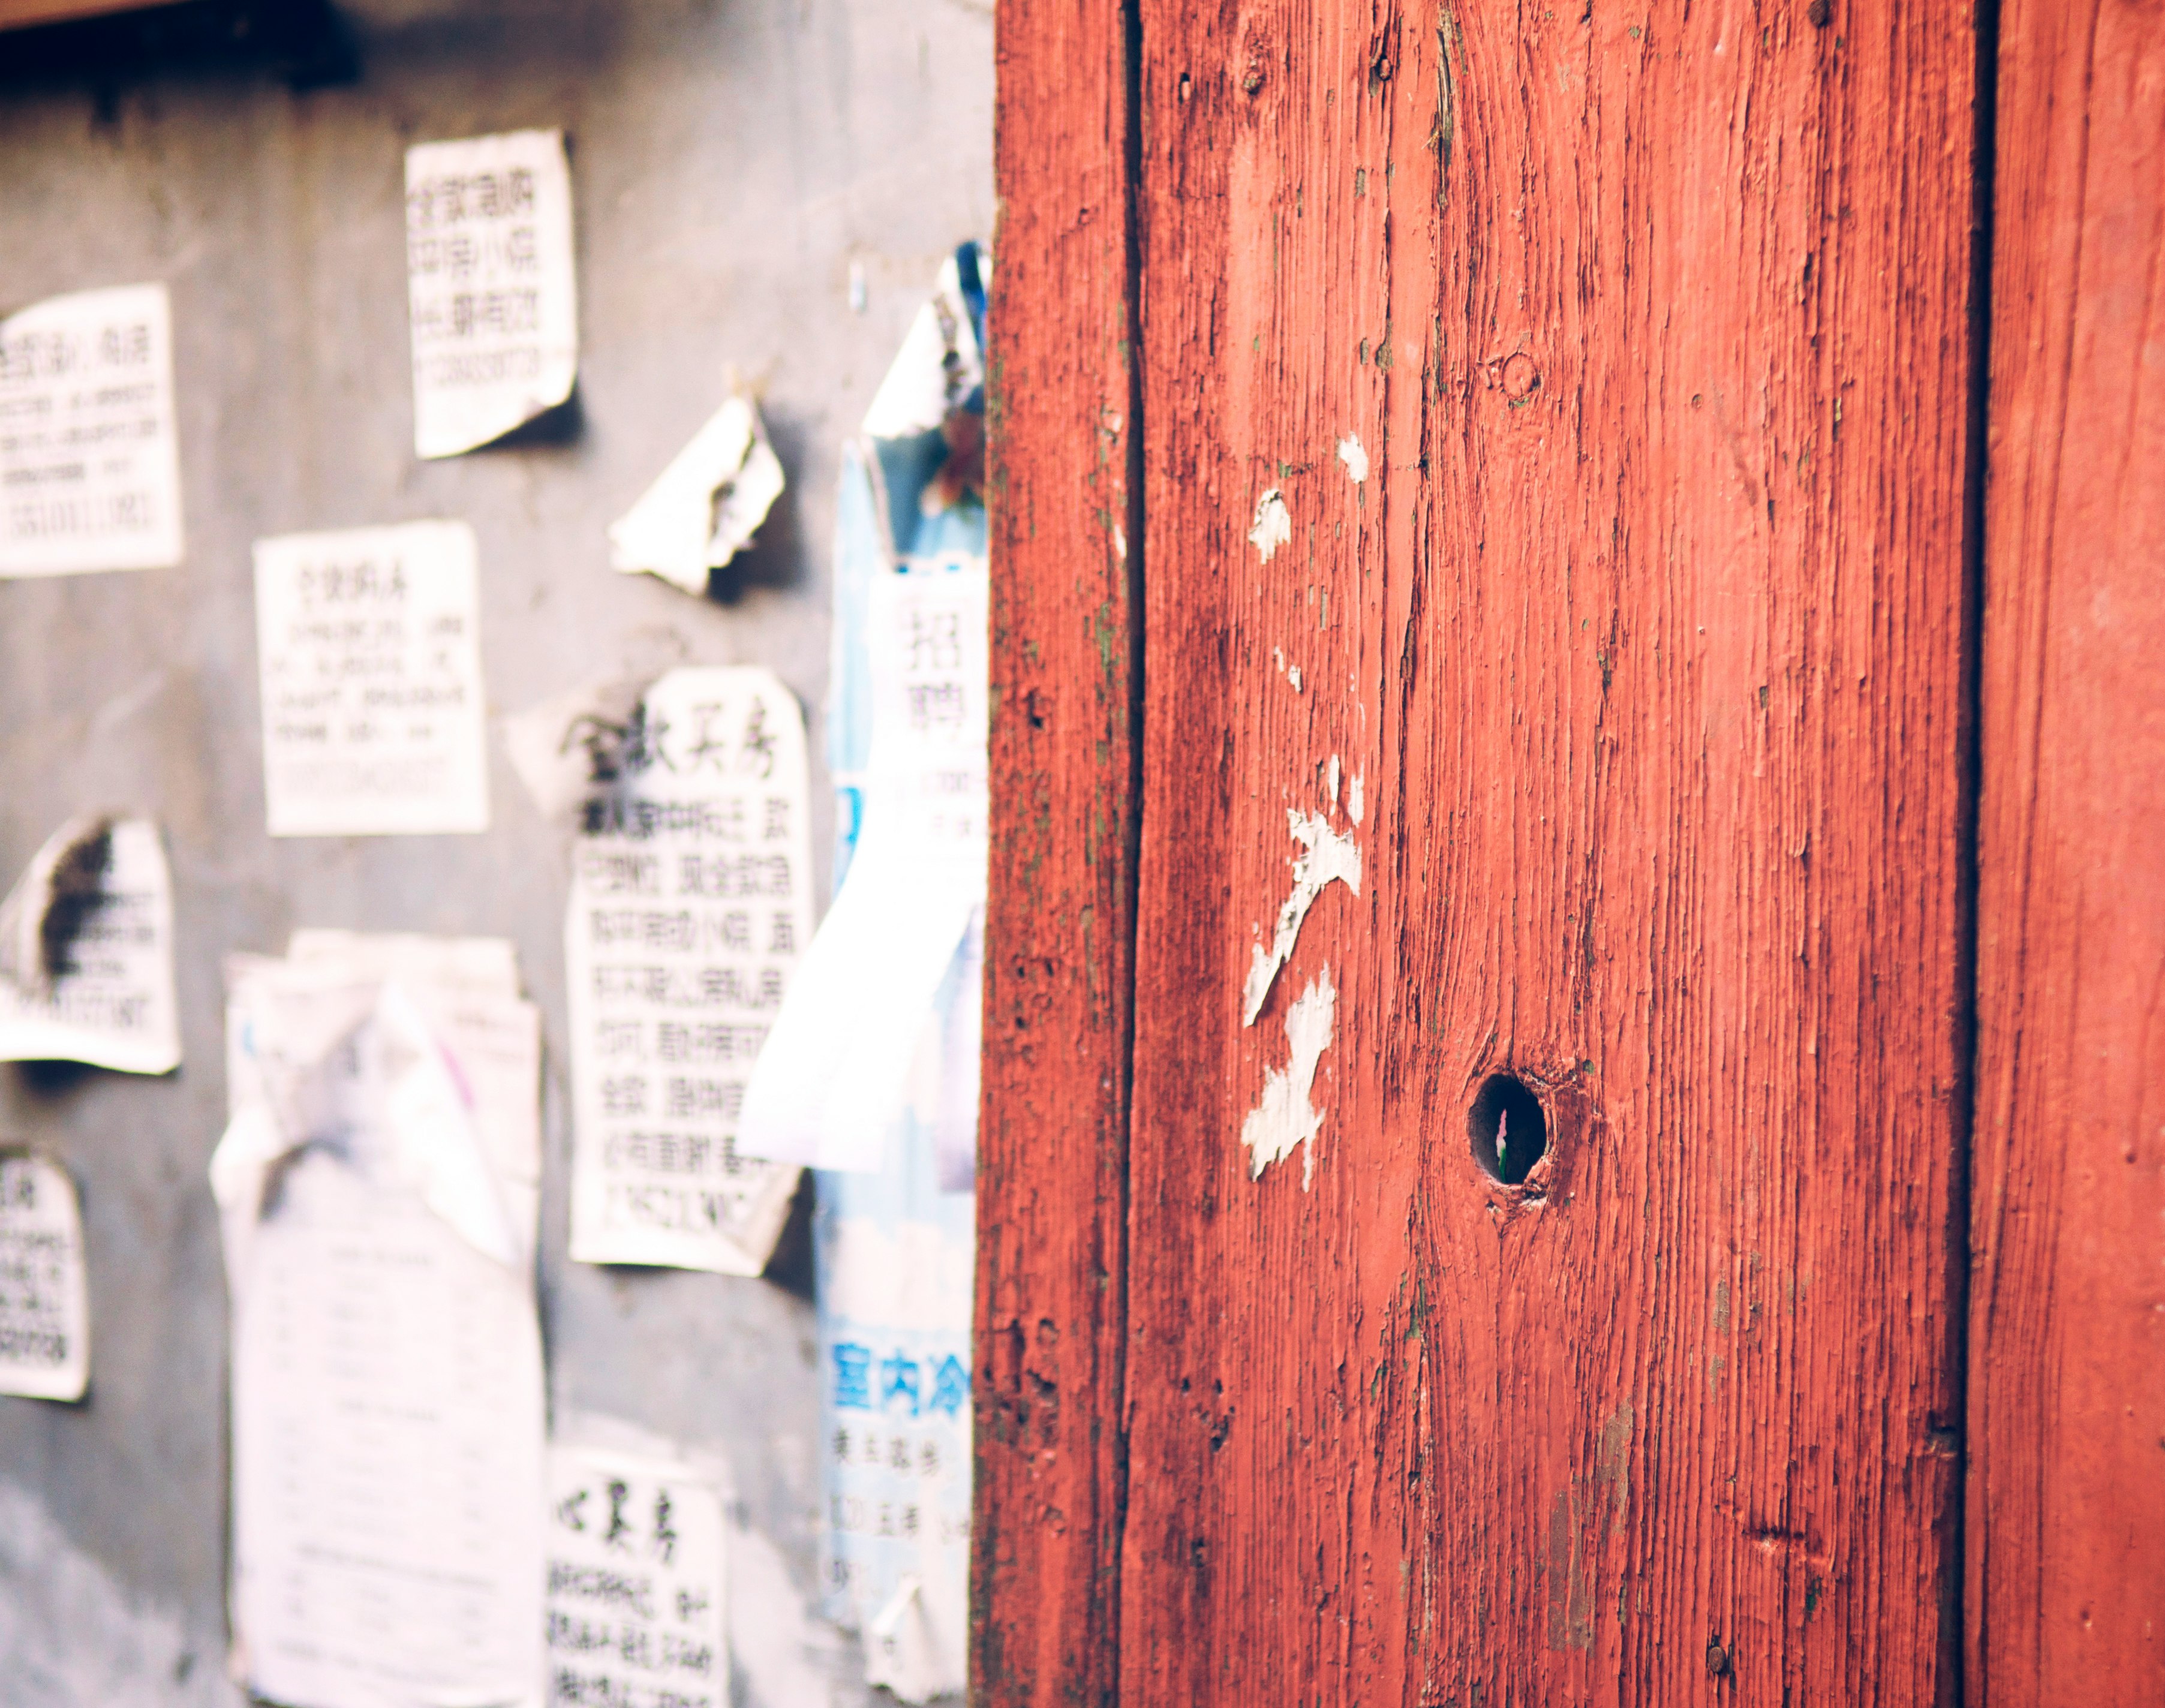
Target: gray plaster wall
731	160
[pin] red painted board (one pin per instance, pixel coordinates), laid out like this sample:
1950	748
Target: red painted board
1643	639
2066	1504
1059	925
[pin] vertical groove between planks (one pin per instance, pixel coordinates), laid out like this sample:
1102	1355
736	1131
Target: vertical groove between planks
1955	1611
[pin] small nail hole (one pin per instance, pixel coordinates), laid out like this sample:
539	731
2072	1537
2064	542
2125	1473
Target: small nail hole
1509	1132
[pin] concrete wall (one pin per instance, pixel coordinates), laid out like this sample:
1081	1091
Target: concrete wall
731	160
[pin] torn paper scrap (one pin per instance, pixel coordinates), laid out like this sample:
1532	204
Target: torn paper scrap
491	294
571	744
938	366
923	450
637	1593
45	1296
388	1395
901	1649
835	1075
89	454
1285	1117
368	646
86	951
1272	526
691	901
42	921
1356	459
1326	857
704	507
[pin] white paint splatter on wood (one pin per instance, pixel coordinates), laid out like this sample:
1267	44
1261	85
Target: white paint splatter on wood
1274	525
1336	772
1285	1116
1357	801
1325	857
1356	459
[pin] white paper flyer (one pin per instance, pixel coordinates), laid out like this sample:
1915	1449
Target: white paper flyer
638	1596
691	902
492	298
90	470
45	1296
368	644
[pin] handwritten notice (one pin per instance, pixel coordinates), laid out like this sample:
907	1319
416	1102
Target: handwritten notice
90	472
87	952
45	1300
638	1594
388	1392
370	650
490	286
691	901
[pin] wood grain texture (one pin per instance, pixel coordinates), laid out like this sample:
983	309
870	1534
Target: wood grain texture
1052	1155
1644	636
2066	1510
17	14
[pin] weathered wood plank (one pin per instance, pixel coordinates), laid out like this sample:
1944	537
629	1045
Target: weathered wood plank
20	14
2066	1508
1643	635
1052	1154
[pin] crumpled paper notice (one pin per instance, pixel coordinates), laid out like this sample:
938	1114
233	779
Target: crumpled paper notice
376	1191
705	506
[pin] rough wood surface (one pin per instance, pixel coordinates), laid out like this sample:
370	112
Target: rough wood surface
1052	1154
2067	1510
1643	636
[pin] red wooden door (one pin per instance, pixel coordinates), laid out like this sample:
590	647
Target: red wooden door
1489	503
2067	1401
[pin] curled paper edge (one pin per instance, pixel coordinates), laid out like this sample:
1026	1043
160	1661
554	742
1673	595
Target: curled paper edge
704	507
131	843
834	1072
901	1652
35	926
